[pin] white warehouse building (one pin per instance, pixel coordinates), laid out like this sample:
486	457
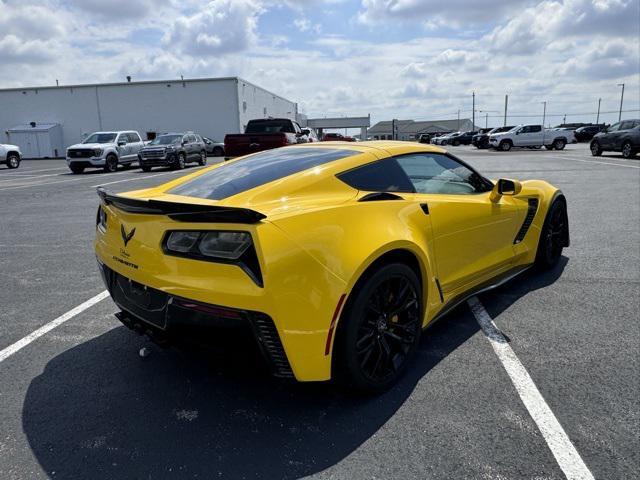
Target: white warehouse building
211	107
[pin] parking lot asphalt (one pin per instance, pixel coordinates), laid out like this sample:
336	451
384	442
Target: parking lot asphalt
79	401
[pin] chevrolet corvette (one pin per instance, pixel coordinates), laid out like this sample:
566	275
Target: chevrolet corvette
332	257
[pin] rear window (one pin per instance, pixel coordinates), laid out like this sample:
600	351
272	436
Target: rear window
270	126
237	177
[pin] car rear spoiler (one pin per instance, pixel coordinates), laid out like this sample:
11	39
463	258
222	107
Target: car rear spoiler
182	212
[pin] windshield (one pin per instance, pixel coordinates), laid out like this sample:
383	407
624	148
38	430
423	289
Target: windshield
165	140
101	138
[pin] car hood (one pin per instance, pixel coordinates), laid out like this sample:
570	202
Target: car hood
92	145
9	146
147	147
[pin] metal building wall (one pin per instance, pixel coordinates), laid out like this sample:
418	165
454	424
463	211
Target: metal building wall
211	107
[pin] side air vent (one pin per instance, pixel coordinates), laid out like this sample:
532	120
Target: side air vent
270	343
378	196
528	220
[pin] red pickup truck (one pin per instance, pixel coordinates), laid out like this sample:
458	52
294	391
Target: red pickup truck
264	134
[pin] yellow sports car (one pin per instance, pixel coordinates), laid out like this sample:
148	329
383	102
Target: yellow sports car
335	256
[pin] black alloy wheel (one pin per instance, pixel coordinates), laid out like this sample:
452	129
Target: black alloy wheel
381	330
559	144
553	237
627	150
203	158
13	161
180	162
505	145
596	149
111	164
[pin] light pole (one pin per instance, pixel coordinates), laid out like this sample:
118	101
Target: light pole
473	109
544	115
458	120
486	116
506	103
598	116
621	99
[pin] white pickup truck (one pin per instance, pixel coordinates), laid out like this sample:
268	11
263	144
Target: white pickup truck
105	150
531	136
10	155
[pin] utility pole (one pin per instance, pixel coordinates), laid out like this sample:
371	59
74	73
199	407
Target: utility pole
473	116
458	120
506	102
564	120
544	114
621	99
486	120
598	116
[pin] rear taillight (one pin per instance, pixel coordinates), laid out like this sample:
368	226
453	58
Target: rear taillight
101	219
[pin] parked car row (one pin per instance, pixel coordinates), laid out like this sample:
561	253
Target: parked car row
108	150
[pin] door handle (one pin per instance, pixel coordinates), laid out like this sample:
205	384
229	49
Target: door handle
425	208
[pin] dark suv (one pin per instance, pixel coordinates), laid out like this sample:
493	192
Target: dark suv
173	150
481	140
622	137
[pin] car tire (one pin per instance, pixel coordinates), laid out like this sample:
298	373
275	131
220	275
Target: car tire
456	143
203	158
75	169
145	168
596	149
218	152
179	162
111	164
372	353
559	144
549	147
505	146
13	160
627	150
553	237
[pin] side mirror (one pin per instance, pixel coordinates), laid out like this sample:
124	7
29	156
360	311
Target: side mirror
122	143
505	186
306	131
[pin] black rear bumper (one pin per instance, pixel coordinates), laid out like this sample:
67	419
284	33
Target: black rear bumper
165	318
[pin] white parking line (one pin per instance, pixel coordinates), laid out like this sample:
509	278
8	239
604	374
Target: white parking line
191	170
558	441
596	161
43	184
20	344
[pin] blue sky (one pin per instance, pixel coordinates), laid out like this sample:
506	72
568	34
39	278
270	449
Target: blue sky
417	59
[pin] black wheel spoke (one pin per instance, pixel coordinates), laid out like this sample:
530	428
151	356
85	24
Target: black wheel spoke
389	328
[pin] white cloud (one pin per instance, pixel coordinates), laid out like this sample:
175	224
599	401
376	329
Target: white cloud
120	10
220	27
434	12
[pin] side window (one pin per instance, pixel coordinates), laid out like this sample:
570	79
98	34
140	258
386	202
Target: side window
133	137
297	127
123	138
381	176
192	139
614	128
627	125
437	173
185	139
535	128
